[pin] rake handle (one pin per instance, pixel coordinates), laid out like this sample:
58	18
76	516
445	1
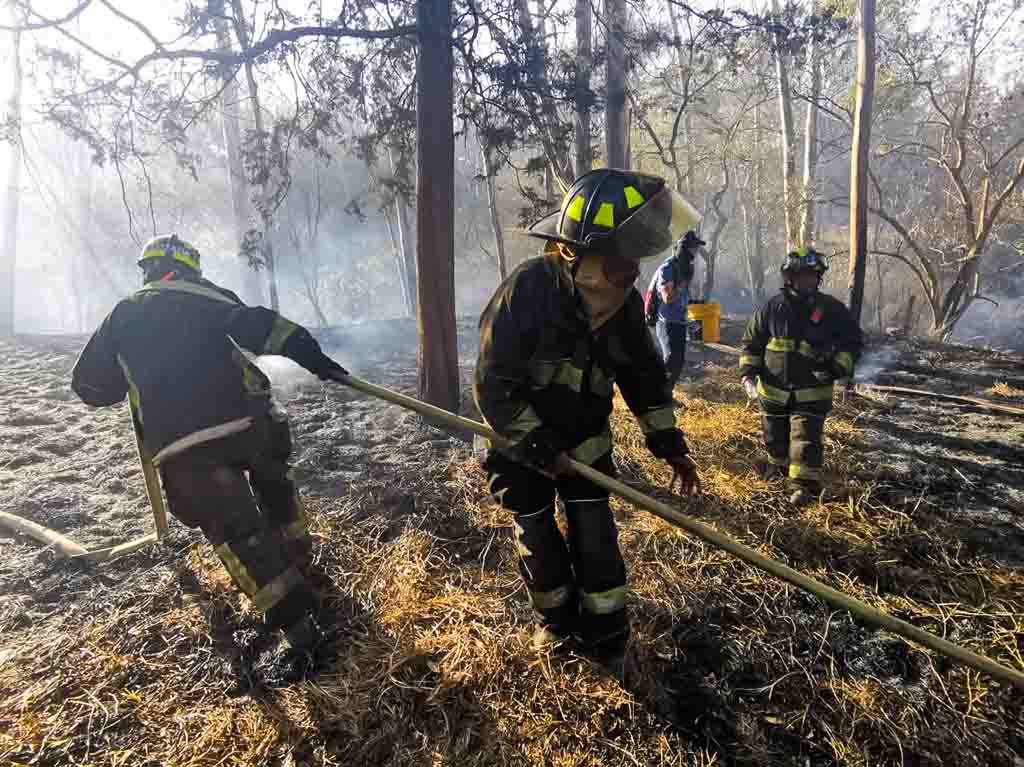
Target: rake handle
708	534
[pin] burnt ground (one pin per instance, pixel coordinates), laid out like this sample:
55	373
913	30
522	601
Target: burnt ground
152	659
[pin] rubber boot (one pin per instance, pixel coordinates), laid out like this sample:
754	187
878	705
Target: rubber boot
770	472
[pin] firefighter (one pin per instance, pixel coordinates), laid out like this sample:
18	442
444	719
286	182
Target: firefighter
177	349
794	348
672	284
553	339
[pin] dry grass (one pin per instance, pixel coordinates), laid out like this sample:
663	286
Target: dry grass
429	662
1002	389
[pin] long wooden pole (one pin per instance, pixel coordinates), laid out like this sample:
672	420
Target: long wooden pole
710	535
859	157
156	498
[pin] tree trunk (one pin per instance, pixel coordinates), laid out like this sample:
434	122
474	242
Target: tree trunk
435	207
396	247
405	240
584	61
684	178
859	158
265	202
252	289
791	195
9	236
492	204
808	231
721	220
615	104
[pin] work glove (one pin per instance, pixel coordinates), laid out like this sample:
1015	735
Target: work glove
302	348
538	449
750	389
670	446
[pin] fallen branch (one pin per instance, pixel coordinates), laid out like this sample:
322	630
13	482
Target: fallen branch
948	397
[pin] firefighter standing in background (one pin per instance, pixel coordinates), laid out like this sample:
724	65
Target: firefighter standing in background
793	349
554	338
672	284
176	349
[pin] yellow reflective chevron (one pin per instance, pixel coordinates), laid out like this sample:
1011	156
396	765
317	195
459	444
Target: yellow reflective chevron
592	449
605	216
781	345
633	198
770	393
522	424
547	600
845	361
279	334
809	351
814	394
239	572
749	360
656	420
802	471
181	286
575	209
276	590
604	602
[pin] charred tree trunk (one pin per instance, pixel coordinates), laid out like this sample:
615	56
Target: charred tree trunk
435	207
584	61
791	195
492	205
859	159
12	198
252	289
615	105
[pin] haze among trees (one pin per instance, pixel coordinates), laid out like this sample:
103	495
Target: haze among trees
368	159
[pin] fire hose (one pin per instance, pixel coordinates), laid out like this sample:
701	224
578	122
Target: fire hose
708	534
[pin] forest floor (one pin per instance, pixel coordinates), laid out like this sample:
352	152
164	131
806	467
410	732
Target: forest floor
154	659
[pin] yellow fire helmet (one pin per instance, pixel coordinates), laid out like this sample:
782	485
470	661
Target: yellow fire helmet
634	215
170	246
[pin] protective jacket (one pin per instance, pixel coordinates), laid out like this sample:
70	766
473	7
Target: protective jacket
796	347
540	364
176	349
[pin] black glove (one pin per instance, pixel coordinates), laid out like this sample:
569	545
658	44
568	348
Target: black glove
539	448
303	349
667	443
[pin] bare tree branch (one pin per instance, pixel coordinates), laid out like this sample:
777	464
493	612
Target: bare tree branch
46	23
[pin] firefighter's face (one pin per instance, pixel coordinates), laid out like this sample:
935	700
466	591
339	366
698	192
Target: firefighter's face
806	281
620	271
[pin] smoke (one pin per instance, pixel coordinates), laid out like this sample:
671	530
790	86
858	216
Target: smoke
874	363
999	326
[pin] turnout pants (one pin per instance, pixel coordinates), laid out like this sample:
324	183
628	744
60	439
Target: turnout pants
239	491
578	582
793	436
672	339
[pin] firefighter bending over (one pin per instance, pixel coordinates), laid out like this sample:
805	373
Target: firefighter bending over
794	348
553	339
176	349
